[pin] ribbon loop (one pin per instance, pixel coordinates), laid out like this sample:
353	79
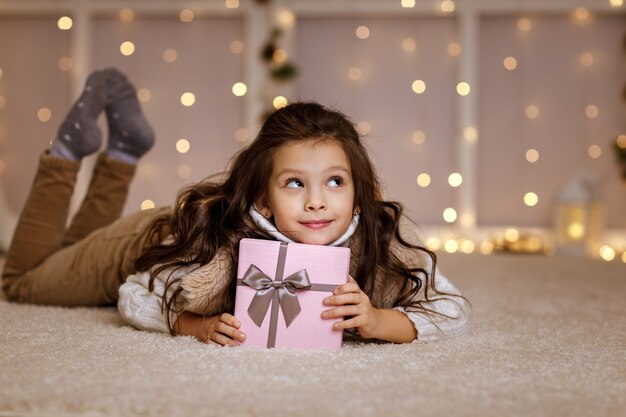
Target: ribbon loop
266	287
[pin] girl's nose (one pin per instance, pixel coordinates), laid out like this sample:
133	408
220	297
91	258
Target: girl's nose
315	203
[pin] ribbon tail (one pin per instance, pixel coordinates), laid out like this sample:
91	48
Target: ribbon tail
289	304
259	305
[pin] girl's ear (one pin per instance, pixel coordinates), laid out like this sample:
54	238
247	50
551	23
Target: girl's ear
263	207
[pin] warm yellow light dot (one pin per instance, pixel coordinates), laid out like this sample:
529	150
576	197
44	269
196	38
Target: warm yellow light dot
594	151
409	44
147	204
65	23
355	73
581	14
531	199
231	4
467	246
616	3
407	4
451	246
279	56
463	88
1	72
592	111
44	114
418	137
486	247
621	141
624	257
362	32
454	49
470	134
126	15
532	111
3	102
423	180
236	47
240	89
467	220
186	15
447	6
144	95
187	99
242	135
607	253
182	145
433	244
364	128
455	179
511	235
66	63
576	230
532	155
449	215
586	59
510	63
127	48
524	24
418	86
184	171
170	55
279	102
286	18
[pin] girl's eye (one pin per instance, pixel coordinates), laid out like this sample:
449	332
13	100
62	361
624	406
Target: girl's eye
335	181
293	183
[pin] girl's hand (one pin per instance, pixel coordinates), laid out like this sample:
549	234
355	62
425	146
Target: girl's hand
222	330
354	302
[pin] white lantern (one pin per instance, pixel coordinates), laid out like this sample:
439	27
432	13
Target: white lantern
579	217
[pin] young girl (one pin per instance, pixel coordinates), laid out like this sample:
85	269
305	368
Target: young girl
305	178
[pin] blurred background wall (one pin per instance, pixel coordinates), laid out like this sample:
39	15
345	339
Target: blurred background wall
546	102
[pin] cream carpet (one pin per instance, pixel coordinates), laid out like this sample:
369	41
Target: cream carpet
549	339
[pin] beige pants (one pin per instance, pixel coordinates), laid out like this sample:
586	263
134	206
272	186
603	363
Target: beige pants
85	264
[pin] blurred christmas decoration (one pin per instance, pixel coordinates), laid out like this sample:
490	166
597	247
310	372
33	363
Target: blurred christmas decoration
514	241
279	69
579	216
619	146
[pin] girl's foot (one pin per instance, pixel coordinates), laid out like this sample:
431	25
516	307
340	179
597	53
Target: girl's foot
79	134
130	134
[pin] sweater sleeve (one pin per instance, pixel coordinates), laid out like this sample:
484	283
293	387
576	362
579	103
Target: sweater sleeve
140	307
432	327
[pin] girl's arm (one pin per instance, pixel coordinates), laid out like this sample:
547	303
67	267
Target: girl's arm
222	329
384	324
140	307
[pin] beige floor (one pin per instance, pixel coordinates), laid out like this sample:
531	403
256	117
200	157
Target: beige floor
549	339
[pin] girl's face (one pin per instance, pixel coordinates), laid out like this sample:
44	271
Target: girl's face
310	192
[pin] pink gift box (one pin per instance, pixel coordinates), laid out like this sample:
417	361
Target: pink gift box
276	305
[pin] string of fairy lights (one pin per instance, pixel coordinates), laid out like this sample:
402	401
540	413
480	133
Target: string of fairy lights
287	19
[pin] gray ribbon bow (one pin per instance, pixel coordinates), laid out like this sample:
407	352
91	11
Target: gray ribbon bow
266	287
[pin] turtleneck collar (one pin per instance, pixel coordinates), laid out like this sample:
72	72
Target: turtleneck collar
266	225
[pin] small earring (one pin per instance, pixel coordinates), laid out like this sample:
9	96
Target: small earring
356	212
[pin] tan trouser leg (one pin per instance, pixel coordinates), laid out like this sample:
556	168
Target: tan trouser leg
90	270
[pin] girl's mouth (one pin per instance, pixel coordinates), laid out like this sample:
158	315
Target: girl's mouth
316	224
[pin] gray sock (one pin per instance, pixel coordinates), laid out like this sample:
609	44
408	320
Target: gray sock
79	134
130	134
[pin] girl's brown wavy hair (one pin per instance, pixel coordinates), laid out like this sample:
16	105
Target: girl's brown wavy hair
213	214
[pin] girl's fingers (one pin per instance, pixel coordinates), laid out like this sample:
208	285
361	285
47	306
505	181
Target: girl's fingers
223	340
337	300
347	288
229	331
230	320
350	310
346	324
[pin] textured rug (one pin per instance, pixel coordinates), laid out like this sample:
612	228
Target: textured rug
549	339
